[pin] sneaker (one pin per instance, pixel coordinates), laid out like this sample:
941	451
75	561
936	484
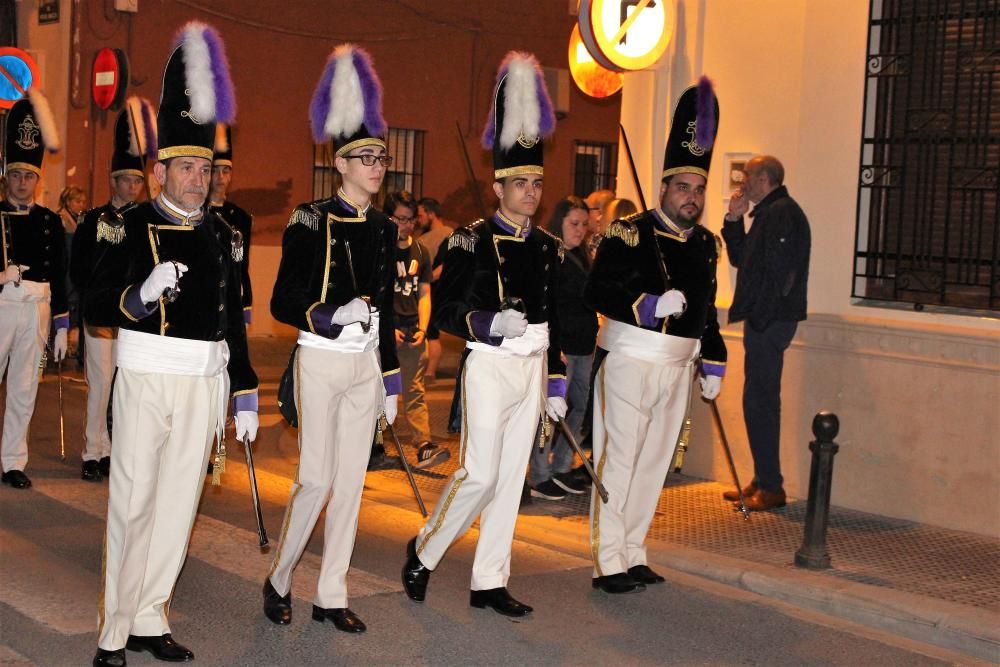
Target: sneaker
569	483
430	455
548	490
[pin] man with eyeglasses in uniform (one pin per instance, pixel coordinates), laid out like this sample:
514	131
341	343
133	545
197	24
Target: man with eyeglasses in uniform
335	285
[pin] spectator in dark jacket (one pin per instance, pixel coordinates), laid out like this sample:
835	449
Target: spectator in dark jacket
551	478
772	259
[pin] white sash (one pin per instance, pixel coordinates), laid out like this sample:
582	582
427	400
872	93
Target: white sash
29	291
652	346
534	341
351	338
150	353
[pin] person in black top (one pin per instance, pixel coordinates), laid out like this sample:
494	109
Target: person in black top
32	280
238	219
770	298
550	474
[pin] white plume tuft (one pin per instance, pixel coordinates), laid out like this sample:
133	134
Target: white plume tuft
137	129
198	71
46	121
521	112
347	108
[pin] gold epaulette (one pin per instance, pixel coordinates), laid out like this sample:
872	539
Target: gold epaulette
462	238
304	217
626	230
110	228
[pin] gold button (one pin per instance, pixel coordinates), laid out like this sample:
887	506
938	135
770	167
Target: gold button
221	306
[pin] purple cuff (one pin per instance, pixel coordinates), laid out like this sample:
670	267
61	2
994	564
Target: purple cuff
557	386
134	307
60	321
646	310
479	327
712	368
321	319
393	383
247	316
245	402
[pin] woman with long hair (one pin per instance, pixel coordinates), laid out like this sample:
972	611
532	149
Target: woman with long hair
72	206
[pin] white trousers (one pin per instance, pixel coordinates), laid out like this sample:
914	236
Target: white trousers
100	368
501	402
639	409
163	430
24	328
339	396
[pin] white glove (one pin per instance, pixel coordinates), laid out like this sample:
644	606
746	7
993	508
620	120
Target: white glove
711	385
11	273
391	408
246	425
59	345
162	276
509	323
555	407
355	310
670	303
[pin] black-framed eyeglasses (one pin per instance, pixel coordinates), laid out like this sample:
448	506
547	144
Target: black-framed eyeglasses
403	221
368	159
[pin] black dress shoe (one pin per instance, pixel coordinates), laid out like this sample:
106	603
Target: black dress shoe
162	647
109	658
415	574
644	575
278	609
618	583
344	620
105	465
16	478
500	601
91	471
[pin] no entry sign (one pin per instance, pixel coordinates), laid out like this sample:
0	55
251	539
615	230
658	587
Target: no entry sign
110	78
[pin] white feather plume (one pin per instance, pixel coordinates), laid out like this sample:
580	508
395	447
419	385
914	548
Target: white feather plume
521	113
347	109
46	121
198	72
137	129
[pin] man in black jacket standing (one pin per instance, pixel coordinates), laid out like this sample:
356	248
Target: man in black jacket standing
773	263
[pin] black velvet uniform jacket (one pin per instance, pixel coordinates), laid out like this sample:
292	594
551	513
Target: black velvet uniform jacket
243	222
314	277
83	256
626	281
208	307
36	239
488	266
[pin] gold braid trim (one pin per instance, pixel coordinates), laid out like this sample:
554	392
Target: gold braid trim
113	234
624	230
300	217
595	522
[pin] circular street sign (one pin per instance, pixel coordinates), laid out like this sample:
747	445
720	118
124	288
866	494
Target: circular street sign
110	77
18	73
590	77
626	34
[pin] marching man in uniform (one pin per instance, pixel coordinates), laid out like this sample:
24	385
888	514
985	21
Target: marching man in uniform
135	142
167	278
654	282
497	291
231	214
335	284
33	277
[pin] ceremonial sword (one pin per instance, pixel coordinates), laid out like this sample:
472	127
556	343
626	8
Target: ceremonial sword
62	429
248	450
729	459
365	326
601	491
406	467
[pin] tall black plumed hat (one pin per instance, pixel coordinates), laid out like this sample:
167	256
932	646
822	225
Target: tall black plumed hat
31	130
692	132
135	138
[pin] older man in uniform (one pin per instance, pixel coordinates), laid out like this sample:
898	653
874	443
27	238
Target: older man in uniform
335	285
497	291
167	277
135	134
33	280
654	283
238	219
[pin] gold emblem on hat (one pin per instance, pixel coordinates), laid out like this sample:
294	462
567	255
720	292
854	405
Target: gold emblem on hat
693	145
527	142
28	131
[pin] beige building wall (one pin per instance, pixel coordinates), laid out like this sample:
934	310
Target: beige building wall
917	393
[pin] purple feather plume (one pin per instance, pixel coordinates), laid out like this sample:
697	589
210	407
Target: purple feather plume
225	96
705	119
319	106
547	122
149	125
490	131
371	92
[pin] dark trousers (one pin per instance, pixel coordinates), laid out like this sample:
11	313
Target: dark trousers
764	353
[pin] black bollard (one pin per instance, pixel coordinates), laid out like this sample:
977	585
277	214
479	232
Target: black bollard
812	554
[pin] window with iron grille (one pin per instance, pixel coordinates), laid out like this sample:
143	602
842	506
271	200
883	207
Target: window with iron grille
406	173
928	225
595	167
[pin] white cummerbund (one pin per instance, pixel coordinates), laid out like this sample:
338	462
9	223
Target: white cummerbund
28	291
534	341
639	343
150	353
351	338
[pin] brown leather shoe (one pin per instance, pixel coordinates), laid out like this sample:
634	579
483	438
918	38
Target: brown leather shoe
734	496
765	500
